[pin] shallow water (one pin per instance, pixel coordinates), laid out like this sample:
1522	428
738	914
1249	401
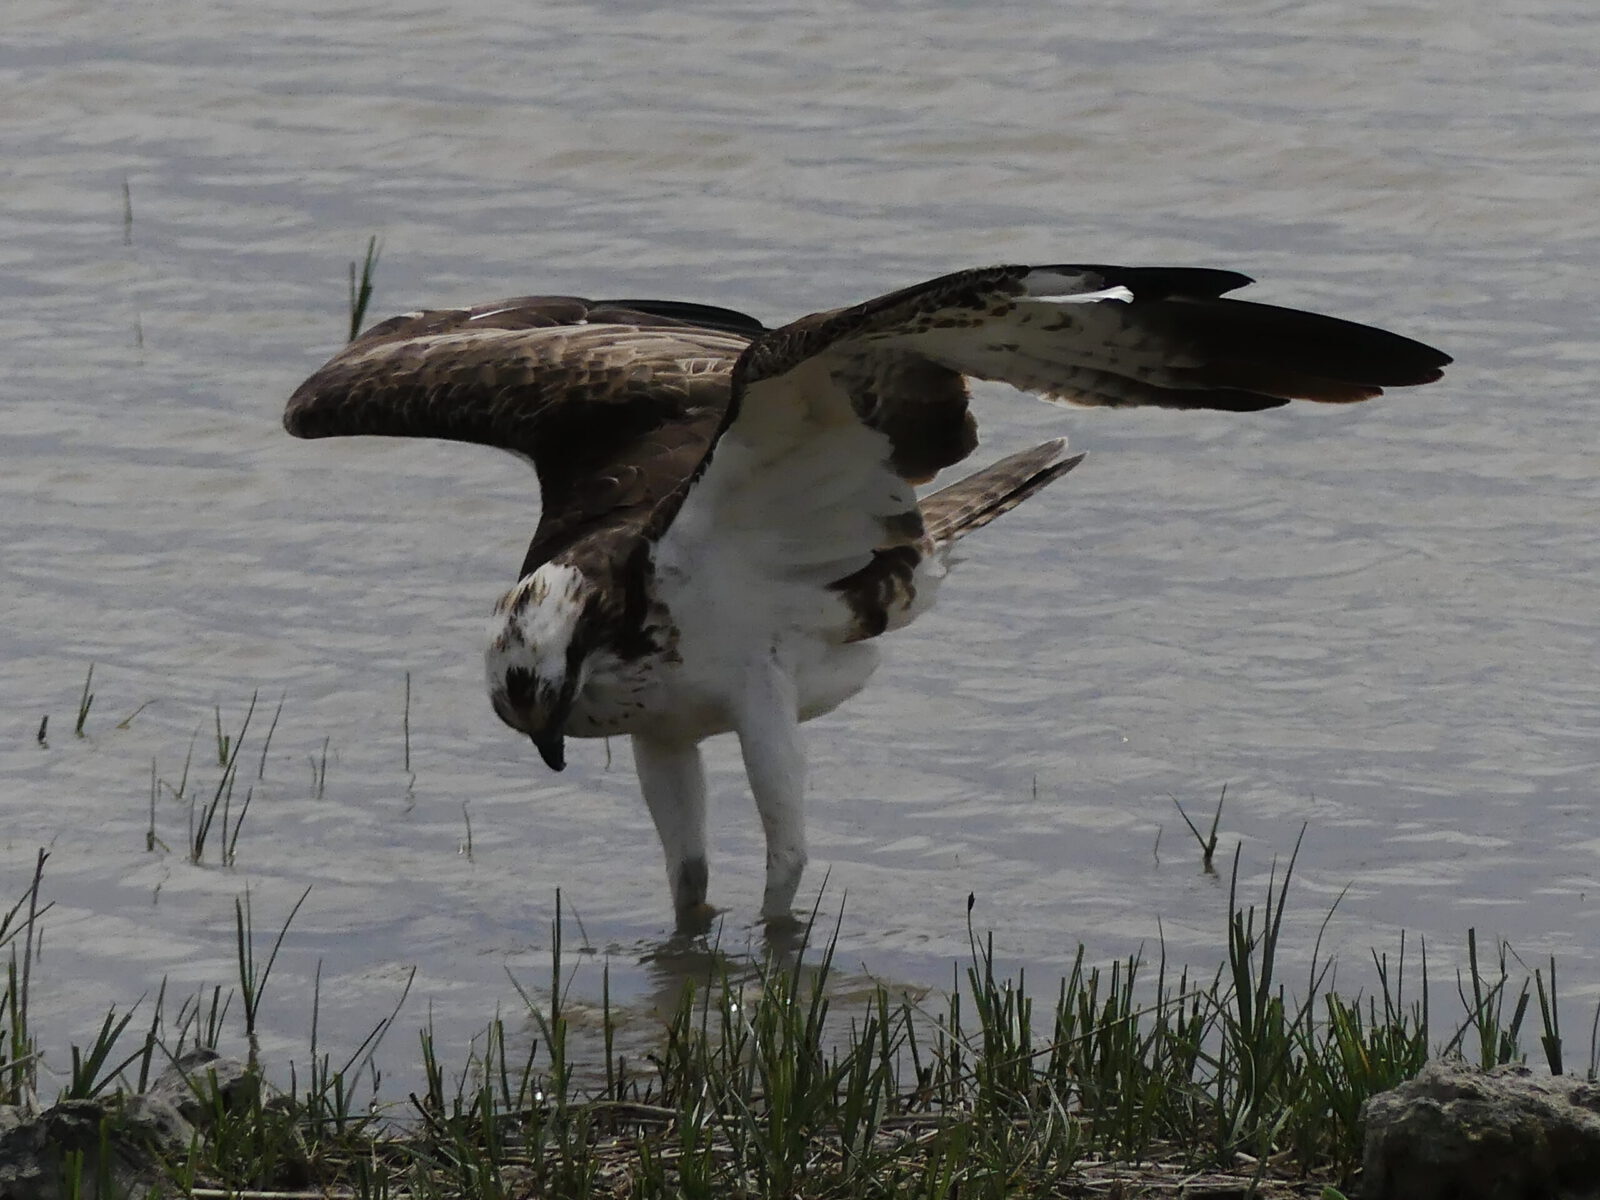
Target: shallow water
1380	622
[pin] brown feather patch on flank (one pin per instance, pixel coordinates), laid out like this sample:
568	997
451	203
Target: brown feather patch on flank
882	589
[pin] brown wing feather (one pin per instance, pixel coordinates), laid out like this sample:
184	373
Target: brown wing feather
1159	336
614	406
971	503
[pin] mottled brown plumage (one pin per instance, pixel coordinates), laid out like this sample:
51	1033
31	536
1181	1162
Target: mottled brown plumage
614	406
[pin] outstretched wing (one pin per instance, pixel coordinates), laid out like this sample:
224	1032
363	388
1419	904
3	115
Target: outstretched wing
810	475
614	402
1167	337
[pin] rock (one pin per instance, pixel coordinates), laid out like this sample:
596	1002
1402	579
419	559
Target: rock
159	1123
38	1150
187	1085
114	1147
35	1154
1456	1133
12	1115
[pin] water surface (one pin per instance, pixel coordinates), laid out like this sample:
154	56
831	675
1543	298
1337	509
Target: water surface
1379	622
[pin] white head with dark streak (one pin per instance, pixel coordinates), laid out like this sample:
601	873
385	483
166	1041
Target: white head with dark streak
535	660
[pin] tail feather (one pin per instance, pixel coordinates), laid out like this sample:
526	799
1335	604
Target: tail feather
971	503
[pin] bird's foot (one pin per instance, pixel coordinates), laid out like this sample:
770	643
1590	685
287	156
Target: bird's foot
785	932
695	920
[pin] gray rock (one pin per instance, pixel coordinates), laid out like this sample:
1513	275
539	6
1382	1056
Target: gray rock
135	1132
12	1115
1456	1133
196	1076
34	1155
159	1123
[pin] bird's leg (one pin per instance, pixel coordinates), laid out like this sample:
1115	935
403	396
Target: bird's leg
774	759
673	780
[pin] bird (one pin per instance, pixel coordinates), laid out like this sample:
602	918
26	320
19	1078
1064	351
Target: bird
728	512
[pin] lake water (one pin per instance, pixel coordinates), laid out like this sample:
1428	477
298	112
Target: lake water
1381	622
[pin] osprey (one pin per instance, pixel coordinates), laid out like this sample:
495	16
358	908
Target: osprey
727	515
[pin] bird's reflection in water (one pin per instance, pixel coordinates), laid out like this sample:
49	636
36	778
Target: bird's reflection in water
711	962
609	1009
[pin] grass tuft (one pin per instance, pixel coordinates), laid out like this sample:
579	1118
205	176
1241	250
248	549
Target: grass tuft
203	819
405	725
319	771
1121	1076
253	982
1208	840
90	1075
361	287
1496	1035
261	767
85	702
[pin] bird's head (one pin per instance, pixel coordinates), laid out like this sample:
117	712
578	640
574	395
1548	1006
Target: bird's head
536	657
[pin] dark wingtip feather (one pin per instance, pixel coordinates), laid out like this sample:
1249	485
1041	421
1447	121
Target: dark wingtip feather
1294	345
1165	283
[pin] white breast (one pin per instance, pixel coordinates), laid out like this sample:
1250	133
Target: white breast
725	624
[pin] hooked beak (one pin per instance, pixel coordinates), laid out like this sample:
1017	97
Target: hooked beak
552	747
